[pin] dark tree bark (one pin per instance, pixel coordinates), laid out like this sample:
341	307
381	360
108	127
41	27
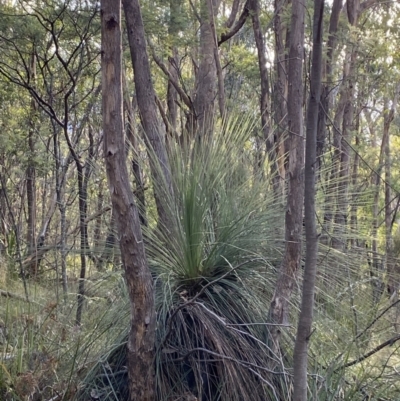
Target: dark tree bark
278	313
140	348
239	23
307	303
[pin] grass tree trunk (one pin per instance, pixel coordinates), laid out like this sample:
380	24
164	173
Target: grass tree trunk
307	302
140	348
278	312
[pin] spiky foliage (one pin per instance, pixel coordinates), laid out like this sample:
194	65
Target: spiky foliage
214	270
215	267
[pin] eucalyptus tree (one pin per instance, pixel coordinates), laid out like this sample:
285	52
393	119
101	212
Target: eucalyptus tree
300	355
154	132
278	314
141	342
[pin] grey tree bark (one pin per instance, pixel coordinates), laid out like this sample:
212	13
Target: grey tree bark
206	77
391	268
280	87
278	312
327	73
310	270
140	347
146	99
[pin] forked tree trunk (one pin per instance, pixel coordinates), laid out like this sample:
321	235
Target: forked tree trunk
140	348
307	303
278	312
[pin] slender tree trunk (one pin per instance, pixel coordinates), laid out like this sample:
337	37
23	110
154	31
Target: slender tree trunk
268	138
154	133
280	87
173	66
354	243
60	169
342	202
31	177
136	167
307	305
278	313
172	94
108	250
84	173
138	277
325	105
3	224
391	270
99	219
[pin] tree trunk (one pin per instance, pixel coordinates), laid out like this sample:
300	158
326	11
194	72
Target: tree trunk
278	312
268	138
173	66
154	133
206	77
141	340
391	271
136	167
325	104
31	178
84	173
307	305
280	87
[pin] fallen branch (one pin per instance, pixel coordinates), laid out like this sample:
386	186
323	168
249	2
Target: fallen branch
389	342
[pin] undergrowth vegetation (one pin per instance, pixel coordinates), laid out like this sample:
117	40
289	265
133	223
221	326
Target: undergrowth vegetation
214	270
